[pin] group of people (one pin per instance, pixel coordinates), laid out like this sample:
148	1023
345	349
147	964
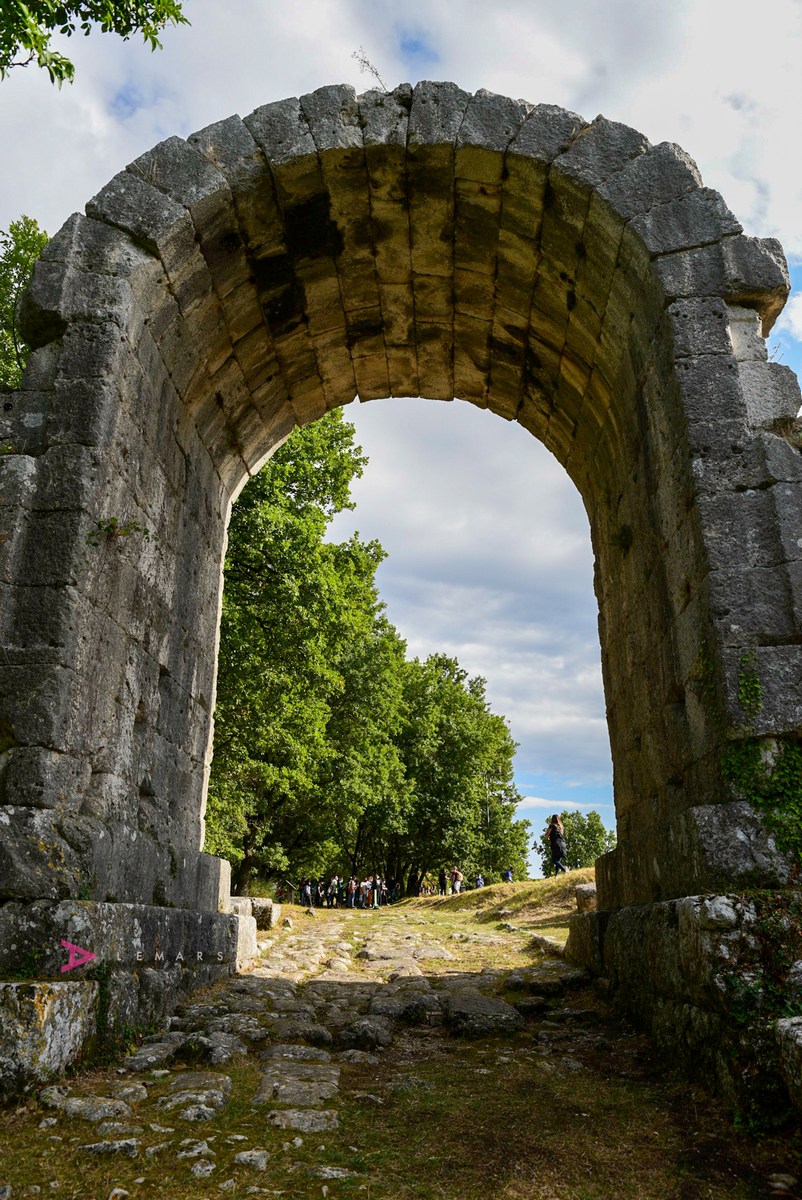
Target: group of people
371	892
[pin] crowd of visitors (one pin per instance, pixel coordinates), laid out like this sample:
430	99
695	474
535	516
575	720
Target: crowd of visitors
371	892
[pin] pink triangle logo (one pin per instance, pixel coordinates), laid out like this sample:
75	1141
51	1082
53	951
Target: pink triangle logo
77	956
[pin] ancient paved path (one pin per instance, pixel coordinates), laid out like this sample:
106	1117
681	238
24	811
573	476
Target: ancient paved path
371	1054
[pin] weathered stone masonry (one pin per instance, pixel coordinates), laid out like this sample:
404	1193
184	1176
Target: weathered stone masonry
224	289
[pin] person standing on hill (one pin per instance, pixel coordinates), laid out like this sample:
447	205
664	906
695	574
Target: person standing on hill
442	880
556	836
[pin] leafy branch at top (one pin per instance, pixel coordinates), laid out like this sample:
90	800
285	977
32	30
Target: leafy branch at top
26	30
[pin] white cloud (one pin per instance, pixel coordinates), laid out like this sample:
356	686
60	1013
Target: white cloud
528	802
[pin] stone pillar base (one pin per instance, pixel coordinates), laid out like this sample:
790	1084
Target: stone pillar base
140	960
709	977
104	862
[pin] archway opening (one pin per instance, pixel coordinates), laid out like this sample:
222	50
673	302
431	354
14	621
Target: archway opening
488	565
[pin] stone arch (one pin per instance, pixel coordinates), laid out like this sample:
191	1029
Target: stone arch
225	288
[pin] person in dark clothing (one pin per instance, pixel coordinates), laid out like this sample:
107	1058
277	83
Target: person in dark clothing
442	880
556	836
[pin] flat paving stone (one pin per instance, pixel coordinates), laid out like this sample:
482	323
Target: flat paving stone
472	1014
289	1050
299	1084
87	1108
304	1120
128	1147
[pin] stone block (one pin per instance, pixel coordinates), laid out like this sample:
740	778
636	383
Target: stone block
384	116
585	945
598	153
701	326
697	219
43	1027
281	131
749	272
240	906
771	392
153	219
661	174
232	150
183	173
436	114
746	338
247	949
789	1038
332	114
33	776
547	132
126	937
585	897
488	126
741	524
751	604
715	846
779	670
266	912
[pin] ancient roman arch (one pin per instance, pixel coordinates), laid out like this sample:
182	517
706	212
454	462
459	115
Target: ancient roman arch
225	288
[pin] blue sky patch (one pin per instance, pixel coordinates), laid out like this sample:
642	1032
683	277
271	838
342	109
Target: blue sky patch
416	50
783	346
126	102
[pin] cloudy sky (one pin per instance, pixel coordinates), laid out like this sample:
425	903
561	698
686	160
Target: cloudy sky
489	549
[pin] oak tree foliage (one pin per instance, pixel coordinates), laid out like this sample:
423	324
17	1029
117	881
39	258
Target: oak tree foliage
27	30
333	751
19	249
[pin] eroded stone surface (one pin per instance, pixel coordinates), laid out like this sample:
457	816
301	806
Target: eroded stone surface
304	1120
42	1029
471	1014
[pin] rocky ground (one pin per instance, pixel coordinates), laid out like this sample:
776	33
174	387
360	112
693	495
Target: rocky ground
420	1051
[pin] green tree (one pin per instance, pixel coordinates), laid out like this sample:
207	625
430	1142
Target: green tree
458	759
19	250
305	669
586	839
26	30
332	751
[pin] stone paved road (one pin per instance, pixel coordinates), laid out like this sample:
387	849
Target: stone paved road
261	1085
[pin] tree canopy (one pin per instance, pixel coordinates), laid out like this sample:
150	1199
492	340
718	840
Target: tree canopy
333	752
19	249
27	30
